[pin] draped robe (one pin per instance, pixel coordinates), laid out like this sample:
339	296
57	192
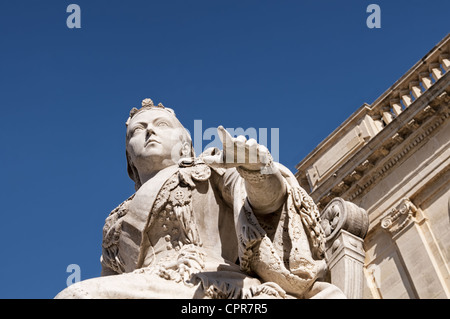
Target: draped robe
190	232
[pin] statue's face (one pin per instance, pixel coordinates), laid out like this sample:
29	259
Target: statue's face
154	137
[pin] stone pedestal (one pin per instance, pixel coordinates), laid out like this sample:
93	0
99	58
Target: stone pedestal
346	261
345	226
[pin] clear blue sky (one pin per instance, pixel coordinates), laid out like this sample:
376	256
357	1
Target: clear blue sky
300	66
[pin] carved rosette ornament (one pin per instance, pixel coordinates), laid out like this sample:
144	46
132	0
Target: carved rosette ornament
399	216
345	225
343	215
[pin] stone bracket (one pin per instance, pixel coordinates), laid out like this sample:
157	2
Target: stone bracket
399	217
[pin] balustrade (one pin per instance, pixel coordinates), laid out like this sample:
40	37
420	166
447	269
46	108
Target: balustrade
412	85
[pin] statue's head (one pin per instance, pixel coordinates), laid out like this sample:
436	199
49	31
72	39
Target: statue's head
155	139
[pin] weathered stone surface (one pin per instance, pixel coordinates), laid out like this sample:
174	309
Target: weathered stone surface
207	226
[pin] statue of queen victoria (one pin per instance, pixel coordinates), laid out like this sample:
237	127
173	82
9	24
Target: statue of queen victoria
227	223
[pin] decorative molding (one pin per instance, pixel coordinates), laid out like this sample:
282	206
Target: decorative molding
357	182
399	217
389	147
388	165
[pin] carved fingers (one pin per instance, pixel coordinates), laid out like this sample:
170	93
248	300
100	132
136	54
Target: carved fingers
239	152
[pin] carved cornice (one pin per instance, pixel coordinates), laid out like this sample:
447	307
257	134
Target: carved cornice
391	149
395	158
399	217
369	134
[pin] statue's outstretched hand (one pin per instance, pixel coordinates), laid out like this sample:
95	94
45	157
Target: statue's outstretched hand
239	152
265	186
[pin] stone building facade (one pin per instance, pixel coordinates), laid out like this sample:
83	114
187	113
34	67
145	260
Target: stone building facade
392	158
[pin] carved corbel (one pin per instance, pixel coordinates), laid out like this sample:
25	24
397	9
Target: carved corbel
397	138
355	175
413	125
364	166
399	217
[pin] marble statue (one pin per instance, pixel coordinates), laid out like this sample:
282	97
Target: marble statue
228	223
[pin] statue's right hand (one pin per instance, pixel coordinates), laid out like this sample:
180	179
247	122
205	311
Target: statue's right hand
239	152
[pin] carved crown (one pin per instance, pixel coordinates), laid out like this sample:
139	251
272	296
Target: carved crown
147	104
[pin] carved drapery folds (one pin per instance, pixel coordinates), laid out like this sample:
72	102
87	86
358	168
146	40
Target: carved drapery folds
345	225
